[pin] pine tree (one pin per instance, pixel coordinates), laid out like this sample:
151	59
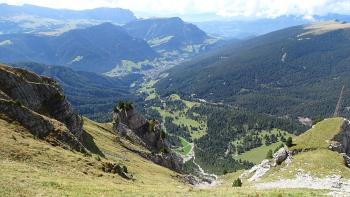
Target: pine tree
289	142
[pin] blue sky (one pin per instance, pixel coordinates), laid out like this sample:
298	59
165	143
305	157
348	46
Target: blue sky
225	8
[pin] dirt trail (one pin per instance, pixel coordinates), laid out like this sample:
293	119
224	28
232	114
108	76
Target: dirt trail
336	185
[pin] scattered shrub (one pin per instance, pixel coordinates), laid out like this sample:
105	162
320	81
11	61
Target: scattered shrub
237	183
269	154
278	147
289	142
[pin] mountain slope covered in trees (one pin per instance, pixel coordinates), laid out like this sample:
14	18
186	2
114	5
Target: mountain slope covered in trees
96	49
298	71
91	94
166	33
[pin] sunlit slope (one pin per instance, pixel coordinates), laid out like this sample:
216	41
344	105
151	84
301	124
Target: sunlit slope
30	167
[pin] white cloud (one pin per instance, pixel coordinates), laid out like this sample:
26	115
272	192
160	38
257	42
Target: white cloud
252	8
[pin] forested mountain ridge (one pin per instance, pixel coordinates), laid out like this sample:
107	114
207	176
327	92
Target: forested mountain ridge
97	49
298	71
166	33
92	95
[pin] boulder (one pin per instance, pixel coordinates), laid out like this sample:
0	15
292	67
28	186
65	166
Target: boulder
257	171
336	146
280	156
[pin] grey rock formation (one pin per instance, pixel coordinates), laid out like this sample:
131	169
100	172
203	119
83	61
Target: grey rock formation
129	122
198	181
280	156
40	94
341	142
137	129
39	105
257	171
169	160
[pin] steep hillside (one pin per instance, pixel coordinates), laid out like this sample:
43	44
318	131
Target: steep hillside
96	49
318	159
30	167
293	72
39	105
47	149
246	28
166	33
215	136
92	95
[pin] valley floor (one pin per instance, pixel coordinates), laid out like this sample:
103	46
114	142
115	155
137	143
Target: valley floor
30	167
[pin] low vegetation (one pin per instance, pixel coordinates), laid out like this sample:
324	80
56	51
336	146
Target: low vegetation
237	183
30	167
318	136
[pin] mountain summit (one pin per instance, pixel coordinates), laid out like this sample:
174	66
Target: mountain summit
171	33
97	48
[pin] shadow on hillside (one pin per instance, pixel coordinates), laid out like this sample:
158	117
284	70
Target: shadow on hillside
88	142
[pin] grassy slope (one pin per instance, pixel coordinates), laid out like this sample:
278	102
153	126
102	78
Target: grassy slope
186	147
319	135
181	119
30	167
256	155
315	158
150	91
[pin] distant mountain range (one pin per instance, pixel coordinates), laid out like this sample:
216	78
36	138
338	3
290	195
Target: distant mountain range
96	49
166	33
49	21
298	71
115	15
243	28
106	47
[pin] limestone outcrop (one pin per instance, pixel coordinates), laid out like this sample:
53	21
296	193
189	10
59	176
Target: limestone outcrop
38	103
258	171
281	155
131	125
341	142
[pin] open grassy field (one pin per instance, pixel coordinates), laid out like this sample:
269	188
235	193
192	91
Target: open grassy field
186	147
256	155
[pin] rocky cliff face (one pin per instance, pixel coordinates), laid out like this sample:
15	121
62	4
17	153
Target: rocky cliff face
341	142
133	126
39	105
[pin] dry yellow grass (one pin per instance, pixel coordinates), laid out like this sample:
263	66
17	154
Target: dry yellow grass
31	167
324	27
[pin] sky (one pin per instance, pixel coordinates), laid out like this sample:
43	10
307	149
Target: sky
224	8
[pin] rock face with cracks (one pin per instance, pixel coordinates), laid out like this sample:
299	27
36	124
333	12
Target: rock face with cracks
38	103
341	142
257	171
281	155
130	124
